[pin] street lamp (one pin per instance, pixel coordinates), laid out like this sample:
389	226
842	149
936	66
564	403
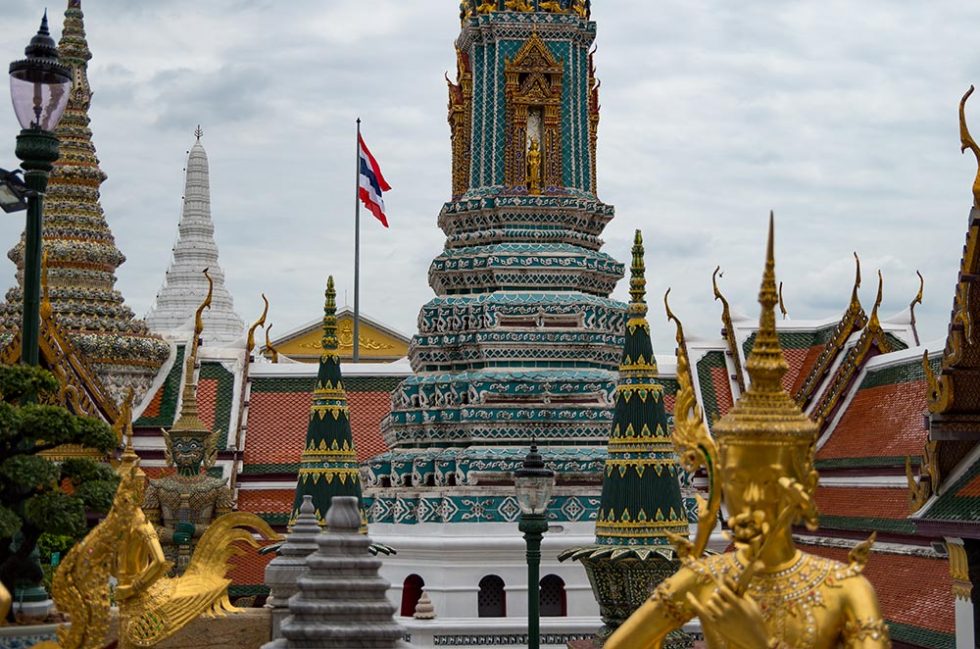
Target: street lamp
534	484
39	88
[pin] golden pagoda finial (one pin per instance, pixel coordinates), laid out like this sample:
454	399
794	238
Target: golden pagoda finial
967	142
782	305
250	341
269	347
329	342
916	300
638	282
766	364
855	299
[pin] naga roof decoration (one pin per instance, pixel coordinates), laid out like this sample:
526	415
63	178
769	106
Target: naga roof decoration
728	330
184	287
641	497
82	253
80	390
328	464
916	300
954	398
854	319
872	337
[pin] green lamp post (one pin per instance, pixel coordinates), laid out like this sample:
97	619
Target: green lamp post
39	88
534	484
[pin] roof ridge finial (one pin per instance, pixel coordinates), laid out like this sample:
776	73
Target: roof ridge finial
873	322
198	133
250	339
967	142
855	299
329	342
188	406
638	282
766	364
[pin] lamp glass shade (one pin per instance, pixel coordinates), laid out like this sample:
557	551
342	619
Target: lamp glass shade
40	97
10	200
534	492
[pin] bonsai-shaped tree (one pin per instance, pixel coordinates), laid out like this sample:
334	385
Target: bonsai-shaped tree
39	496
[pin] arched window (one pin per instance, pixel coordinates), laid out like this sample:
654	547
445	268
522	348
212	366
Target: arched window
411	592
492	601
553	600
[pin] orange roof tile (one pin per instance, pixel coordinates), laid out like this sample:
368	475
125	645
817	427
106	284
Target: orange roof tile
863	502
277	424
806	366
277	427
912	590
971	489
153	408
795	358
723	390
881	421
266	501
207	401
248	568
367	409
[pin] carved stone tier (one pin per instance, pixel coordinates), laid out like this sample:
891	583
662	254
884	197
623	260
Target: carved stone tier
532	219
524	267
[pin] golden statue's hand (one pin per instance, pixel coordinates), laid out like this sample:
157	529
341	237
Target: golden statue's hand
735	618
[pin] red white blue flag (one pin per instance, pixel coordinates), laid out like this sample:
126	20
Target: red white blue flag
371	184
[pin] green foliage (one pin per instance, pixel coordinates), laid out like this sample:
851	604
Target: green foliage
50	544
41	499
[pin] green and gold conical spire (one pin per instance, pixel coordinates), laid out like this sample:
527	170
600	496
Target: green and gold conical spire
328	465
641	497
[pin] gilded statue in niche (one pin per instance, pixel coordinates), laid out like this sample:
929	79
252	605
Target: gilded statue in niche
533	169
767	593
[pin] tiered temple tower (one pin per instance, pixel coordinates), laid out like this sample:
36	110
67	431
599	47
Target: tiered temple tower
521	341
185	286
82	257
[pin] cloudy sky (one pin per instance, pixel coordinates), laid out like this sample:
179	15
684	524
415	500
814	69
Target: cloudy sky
840	116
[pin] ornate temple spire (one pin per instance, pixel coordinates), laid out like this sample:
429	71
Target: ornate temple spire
82	253
766	409
641	497
190	421
328	464
183	286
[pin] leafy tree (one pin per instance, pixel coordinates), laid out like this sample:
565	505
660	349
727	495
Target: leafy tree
37	496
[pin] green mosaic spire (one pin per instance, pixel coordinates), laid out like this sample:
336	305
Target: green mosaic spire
328	465
641	496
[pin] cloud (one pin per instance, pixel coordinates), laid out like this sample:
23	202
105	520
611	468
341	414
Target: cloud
840	117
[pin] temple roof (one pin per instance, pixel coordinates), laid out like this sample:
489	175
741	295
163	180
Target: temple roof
184	285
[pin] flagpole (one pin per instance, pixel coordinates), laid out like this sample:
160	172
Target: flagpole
357	249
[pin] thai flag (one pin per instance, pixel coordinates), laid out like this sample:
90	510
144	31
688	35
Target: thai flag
371	183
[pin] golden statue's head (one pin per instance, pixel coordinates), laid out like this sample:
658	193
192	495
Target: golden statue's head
765	442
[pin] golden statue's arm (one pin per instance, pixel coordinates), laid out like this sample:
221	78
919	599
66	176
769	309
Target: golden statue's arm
144	562
666	610
864	627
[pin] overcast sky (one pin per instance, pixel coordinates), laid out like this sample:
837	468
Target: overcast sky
841	119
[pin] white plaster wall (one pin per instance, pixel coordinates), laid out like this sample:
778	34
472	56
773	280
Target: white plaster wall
964	624
453	558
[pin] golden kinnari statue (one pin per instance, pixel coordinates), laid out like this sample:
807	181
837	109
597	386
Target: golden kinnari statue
152	607
766	594
534	168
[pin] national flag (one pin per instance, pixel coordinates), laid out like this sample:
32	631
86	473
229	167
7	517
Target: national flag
371	183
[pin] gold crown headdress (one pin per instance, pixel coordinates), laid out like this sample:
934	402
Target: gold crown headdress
766	413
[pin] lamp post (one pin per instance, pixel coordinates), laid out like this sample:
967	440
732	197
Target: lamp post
39	88
534	484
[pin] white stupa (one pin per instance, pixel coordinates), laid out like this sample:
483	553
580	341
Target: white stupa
185	286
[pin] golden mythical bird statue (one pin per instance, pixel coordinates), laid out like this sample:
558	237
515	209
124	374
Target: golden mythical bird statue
152	607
